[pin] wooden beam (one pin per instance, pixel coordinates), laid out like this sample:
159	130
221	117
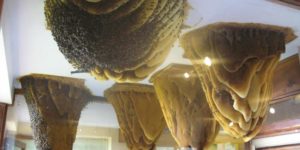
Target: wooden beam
3	107
292	2
24	137
3	112
100	99
1	7
19	91
286	81
280	128
288	3
225	138
168	140
93	98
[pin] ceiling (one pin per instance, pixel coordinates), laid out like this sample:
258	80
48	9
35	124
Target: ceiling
35	51
30	48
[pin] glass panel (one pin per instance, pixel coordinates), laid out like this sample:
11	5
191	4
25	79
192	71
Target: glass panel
150	74
286	110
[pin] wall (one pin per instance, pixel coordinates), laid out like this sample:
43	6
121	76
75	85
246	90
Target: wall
85	132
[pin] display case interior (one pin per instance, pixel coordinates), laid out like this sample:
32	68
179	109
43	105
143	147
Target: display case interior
149	75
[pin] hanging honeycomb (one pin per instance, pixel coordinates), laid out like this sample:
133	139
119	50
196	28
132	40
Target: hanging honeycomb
139	114
184	106
54	105
235	63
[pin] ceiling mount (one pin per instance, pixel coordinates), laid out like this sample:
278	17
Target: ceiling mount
289	3
292	2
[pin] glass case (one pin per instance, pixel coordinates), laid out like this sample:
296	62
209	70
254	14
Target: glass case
149	74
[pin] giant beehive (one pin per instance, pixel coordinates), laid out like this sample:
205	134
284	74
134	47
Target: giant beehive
184	106
235	63
139	114
123	40
55	105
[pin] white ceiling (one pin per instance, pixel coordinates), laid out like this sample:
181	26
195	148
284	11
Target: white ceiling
33	49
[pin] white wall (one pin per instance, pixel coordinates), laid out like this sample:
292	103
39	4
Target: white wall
6	84
86	132
6	61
